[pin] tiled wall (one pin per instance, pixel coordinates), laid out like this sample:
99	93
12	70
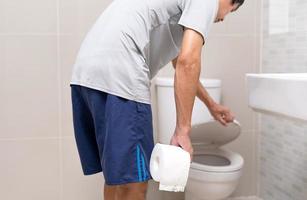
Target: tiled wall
38	44
284	36
283	159
283	141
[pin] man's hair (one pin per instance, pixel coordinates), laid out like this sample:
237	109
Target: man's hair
239	2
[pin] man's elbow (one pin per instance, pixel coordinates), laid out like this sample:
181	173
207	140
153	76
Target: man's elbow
188	63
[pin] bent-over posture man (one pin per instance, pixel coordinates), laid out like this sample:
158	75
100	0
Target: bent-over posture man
110	86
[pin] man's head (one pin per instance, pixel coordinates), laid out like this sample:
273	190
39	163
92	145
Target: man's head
227	6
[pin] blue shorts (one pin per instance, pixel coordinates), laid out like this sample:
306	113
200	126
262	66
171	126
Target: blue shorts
113	135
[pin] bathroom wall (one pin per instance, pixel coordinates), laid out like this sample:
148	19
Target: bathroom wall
283	158
283	146
284	36
38	44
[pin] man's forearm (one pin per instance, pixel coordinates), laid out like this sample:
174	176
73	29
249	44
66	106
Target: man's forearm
201	93
186	86
204	96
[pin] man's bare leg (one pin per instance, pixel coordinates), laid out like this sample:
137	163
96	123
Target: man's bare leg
130	191
109	192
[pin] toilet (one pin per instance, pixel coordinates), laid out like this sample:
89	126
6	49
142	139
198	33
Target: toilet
215	170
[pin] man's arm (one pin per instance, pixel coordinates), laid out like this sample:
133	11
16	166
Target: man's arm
186	79
201	93
219	112
187	86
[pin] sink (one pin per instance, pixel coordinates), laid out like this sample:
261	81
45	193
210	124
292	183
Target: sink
279	93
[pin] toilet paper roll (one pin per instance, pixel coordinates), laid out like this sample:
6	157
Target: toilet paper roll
170	166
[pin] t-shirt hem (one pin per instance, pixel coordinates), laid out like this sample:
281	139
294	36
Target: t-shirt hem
97	87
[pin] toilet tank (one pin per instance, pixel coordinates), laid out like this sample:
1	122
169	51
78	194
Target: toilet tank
166	108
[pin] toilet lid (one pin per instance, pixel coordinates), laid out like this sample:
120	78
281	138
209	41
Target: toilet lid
213	134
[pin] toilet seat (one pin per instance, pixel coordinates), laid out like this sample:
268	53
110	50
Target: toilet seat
213	160
207	139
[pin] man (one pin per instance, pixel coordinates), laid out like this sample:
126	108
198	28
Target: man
110	86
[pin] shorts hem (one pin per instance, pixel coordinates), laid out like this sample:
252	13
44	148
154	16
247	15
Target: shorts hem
91	171
126	181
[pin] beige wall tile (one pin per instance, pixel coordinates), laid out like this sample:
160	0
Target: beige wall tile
29	169
69	46
76	186
32	16
30	87
242	22
222	53
234	96
228	59
2	70
77	16
245	145
218	29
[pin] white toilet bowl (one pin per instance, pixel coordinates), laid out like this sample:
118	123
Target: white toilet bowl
215	171
214	174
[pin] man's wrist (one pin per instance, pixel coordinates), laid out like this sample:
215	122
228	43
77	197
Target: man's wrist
210	103
183	129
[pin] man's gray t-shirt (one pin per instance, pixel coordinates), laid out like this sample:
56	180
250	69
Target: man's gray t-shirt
132	39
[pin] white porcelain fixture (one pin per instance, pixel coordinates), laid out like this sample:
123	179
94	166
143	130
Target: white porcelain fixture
167	108
214	171
281	93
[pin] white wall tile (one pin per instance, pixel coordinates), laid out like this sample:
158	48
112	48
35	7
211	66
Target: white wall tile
282	155
228	59
245	145
77	16
30	169
69	46
75	185
29	105
31	16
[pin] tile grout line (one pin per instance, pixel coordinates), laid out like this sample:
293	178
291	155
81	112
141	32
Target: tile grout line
59	79
37	138
255	135
29	138
259	115
233	35
256	68
35	34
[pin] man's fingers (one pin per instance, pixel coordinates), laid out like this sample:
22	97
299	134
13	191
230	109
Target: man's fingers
221	119
228	118
174	141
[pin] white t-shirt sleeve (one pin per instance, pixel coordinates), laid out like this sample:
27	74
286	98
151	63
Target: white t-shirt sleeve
199	15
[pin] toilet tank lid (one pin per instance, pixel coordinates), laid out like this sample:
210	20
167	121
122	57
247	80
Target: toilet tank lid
169	82
213	134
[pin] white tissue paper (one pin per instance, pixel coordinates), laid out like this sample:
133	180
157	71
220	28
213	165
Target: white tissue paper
170	166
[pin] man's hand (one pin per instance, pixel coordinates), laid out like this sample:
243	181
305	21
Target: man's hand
182	139
221	113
